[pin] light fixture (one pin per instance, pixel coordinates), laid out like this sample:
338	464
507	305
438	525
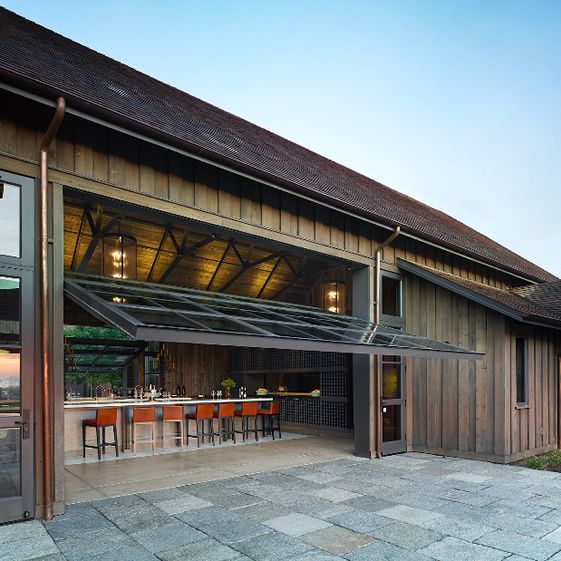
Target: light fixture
334	297
119	256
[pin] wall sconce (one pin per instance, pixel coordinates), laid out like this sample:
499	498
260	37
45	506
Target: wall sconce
334	297
119	256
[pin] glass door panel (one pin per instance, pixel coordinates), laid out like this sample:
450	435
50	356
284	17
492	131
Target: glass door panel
393	406
16	394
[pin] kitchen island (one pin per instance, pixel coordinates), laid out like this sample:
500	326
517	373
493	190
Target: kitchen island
79	409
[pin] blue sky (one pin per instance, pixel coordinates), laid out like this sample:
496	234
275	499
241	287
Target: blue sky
456	103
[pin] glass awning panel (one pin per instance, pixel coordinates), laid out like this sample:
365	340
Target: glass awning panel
91	356
154	312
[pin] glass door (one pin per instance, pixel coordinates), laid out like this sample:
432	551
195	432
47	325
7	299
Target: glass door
393	405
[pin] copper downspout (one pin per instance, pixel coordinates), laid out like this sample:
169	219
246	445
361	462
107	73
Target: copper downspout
378	383
44	307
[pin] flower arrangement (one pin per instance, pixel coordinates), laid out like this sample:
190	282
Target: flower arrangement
262	391
315	393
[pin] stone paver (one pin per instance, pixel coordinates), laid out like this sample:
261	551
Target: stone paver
412	507
296	524
453	549
533	548
337	540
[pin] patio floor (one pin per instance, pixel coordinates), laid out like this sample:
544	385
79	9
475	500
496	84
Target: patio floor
409	507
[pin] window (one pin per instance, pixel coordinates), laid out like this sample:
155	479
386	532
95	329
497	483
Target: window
10	225
521	377
391	296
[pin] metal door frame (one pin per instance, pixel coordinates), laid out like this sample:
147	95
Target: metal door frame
397	446
22	267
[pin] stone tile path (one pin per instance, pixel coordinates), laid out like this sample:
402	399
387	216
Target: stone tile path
412	507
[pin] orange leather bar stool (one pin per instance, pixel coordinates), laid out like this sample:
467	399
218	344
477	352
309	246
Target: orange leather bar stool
271	417
204	412
226	416
247	412
144	416
173	414
103	418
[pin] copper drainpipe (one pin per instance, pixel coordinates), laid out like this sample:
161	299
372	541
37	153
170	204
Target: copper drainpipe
378	383
44	307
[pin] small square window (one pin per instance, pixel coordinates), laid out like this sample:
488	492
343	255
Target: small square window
391	296
521	375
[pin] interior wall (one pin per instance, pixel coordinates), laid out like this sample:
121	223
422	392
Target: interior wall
199	367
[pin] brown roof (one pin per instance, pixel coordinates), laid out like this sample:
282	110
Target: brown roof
47	63
522	303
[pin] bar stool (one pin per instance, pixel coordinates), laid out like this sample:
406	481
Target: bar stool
247	412
173	414
272	414
103	418
204	412
226	417
144	416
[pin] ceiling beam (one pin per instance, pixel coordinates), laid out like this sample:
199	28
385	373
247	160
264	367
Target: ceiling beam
248	265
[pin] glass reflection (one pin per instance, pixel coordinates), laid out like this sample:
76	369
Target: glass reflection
10	299
10	463
391	423
10	222
9	381
391	380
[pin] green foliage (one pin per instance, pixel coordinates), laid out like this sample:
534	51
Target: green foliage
91	332
544	461
228	383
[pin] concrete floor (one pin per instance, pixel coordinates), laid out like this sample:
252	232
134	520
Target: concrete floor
89	479
412	507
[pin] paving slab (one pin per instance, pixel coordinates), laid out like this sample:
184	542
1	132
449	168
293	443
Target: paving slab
409	514
457	528
337	540
203	550
359	521
453	549
406	536
296	524
381	551
272	547
182	504
533	548
28	548
164	537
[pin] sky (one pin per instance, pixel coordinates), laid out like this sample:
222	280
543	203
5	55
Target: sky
454	102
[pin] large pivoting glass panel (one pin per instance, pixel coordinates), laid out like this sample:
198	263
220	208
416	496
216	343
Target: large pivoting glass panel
10	220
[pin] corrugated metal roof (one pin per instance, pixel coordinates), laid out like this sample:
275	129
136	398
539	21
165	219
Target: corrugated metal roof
523	303
47	63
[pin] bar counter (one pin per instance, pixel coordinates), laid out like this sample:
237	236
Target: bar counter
77	410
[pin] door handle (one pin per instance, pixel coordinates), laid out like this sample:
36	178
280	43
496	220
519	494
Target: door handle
24	424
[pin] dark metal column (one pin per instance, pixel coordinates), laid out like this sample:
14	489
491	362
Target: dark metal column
364	417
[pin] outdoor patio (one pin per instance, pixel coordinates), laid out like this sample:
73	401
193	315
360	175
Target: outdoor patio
404	508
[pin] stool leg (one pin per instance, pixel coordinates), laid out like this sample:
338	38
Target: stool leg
256	430
153	437
134	438
199	432
103	440
84	441
115	440
98	437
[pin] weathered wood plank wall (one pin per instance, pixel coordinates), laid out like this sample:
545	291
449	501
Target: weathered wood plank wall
447	414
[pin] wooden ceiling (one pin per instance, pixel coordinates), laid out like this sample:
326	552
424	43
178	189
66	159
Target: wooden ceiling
178	254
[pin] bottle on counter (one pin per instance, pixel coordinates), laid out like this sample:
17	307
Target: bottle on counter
183	390
177	390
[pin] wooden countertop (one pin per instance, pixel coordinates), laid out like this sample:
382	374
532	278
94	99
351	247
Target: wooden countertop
159	402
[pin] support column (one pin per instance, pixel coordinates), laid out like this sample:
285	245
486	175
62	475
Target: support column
364	416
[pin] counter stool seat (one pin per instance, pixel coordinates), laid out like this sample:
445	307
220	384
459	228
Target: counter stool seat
144	416
225	414
104	418
248	411
270	416
203	412
173	414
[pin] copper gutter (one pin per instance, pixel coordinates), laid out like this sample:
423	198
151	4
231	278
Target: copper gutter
378	382
44	307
